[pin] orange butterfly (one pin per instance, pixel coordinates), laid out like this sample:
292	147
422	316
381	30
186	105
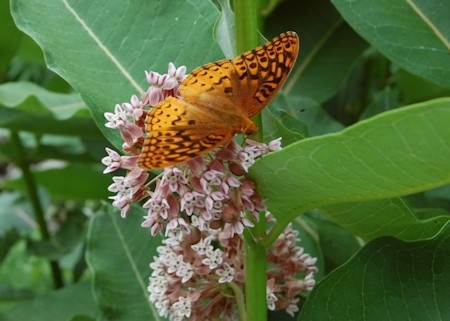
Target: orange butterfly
218	100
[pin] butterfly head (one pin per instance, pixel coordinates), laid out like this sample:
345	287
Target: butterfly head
248	127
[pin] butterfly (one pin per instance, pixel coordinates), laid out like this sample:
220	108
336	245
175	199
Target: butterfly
217	101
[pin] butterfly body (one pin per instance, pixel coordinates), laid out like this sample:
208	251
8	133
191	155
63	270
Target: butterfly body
217	101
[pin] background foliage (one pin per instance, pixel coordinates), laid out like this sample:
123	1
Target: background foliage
364	115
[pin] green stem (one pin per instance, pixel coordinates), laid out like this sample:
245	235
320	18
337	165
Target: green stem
31	187
255	281
246	15
246	18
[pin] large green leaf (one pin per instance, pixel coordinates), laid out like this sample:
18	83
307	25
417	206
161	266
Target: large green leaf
119	252
413	33
393	154
66	304
387	280
103	47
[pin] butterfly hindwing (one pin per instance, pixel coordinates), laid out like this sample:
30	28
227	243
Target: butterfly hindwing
177	132
164	148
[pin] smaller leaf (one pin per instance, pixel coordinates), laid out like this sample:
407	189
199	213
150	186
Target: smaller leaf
328	47
225	32
337	244
311	113
385	217
274	128
27	107
60	106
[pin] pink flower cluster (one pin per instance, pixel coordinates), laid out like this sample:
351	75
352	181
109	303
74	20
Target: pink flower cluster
190	275
207	195
129	119
286	260
197	204
201	194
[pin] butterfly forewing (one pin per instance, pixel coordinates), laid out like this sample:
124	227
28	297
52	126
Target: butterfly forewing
249	81
217	101
263	71
215	82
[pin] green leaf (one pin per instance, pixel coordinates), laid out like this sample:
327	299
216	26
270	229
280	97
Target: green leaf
70	302
7	240
412	33
66	183
328	47
225	31
65	241
60	106
119	252
301	109
274	128
414	88
392	154
9	39
387	280
337	244
381	101
373	219
11	206
102	48
27	107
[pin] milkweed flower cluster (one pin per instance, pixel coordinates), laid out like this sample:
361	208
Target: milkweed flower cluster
203	193
202	202
193	281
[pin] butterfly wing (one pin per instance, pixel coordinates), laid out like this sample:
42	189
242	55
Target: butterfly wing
248	82
212	84
263	71
217	101
178	131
